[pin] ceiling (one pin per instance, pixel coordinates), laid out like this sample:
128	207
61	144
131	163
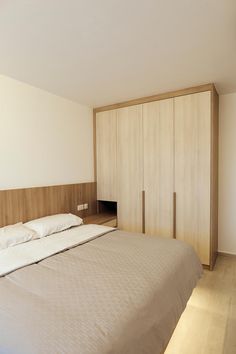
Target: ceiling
99	52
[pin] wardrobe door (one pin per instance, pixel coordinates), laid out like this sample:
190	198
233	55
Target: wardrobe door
192	171
106	132
129	168
158	167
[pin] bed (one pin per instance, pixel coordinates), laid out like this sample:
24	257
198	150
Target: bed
93	289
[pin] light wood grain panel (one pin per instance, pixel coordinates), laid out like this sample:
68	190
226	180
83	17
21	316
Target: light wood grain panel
208	324
106	132
94	146
108	219
31	203
158	97
193	171
130	168
159	167
214	174
111	223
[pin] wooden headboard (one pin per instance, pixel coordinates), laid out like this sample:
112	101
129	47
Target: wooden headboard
30	203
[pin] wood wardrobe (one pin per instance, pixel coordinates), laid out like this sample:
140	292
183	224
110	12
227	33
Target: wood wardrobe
157	157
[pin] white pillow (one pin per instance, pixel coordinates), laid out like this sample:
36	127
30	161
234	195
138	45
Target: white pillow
55	223
14	234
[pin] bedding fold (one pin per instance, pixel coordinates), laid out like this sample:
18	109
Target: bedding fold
27	253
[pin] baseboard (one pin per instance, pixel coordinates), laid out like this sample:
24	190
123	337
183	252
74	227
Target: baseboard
225	254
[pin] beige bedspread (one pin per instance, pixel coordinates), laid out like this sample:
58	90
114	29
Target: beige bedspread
120	293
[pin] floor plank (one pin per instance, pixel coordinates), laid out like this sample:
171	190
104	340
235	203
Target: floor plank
208	324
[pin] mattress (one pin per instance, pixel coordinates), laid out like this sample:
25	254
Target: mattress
110	292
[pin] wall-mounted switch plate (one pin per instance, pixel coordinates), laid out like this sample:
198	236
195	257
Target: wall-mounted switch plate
86	206
80	207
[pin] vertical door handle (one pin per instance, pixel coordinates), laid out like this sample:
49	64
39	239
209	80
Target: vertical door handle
143	212
174	215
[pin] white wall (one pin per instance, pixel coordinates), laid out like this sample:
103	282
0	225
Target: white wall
227	174
44	139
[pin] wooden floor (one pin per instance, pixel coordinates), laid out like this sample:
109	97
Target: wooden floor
208	325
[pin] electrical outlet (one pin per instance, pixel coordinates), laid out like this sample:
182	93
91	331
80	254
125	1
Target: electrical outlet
80	207
86	206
